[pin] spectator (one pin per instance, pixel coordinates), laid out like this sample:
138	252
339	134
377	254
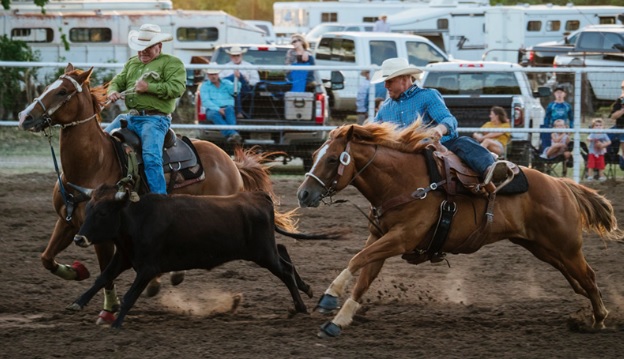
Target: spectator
381	25
495	142
598	143
617	115
559	109
244	80
300	55
217	96
559	142
362	99
150	83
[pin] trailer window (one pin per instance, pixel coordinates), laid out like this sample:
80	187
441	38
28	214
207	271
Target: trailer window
187	34
32	35
553	25
329	17
443	24
534	26
90	34
572	25
606	20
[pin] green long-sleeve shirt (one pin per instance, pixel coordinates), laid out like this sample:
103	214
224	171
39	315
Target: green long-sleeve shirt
162	90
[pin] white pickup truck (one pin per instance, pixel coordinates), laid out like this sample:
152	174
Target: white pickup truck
470	89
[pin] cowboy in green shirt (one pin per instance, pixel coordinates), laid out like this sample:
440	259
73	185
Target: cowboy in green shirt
150	83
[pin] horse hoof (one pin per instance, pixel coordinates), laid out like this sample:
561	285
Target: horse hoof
177	278
82	272
152	290
327	304
329	330
74	307
105	318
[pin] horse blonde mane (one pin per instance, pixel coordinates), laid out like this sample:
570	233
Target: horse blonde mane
412	138
98	93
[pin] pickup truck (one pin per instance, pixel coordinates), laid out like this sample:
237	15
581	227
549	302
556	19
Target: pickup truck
272	104
595	47
470	89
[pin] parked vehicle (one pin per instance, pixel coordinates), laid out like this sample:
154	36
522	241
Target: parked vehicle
368	50
267	27
301	16
470	89
465	31
595	47
314	35
272	103
83	31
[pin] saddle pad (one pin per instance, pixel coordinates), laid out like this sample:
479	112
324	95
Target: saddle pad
518	185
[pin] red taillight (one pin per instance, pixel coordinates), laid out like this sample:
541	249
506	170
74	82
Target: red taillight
319	115
518	116
531	56
200	112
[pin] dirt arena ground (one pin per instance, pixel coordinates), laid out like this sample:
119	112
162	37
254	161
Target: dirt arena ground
500	302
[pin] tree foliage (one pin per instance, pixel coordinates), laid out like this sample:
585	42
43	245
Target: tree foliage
17	82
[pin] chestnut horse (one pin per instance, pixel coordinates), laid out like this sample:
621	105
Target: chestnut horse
88	159
387	166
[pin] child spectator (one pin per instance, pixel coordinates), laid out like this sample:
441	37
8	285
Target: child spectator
558	143
559	109
598	143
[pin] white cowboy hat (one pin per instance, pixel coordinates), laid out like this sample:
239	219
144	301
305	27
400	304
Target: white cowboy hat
235	50
392	68
212	71
148	35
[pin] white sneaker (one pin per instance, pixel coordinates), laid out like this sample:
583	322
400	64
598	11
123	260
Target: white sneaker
602	179
589	179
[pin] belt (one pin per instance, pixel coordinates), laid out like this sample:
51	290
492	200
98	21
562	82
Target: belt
150	113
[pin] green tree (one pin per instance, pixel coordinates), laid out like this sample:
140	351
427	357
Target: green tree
17	82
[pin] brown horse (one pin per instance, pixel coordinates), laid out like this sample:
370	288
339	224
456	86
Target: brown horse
387	166
88	159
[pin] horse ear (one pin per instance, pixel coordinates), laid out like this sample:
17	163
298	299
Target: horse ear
83	77
350	133
69	68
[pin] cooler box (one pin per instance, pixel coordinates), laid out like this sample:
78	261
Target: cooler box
299	105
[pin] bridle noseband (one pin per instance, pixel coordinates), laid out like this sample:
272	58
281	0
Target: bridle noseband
344	161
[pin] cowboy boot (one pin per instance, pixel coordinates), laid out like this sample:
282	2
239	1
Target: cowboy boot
497	176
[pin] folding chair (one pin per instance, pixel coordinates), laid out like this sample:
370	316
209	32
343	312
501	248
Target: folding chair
557	167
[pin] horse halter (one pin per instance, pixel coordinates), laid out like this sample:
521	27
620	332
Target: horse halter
345	160
49	112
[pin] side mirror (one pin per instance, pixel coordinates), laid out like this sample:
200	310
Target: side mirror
337	80
543	91
619	47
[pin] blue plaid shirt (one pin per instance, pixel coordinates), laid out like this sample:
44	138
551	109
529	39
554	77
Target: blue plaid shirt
415	102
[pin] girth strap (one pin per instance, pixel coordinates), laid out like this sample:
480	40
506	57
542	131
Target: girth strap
447	212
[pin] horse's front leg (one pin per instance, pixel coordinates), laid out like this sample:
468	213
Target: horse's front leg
61	238
370	260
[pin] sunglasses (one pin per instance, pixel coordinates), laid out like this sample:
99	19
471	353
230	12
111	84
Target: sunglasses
294	41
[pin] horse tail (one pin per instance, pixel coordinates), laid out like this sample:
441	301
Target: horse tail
257	177
596	211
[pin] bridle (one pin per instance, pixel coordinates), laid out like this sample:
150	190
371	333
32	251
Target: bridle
47	113
344	161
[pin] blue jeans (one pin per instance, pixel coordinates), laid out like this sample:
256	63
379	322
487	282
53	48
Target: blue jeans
218	119
152	131
244	90
470	151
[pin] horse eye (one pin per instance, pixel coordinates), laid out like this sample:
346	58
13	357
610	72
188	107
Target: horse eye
332	160
62	92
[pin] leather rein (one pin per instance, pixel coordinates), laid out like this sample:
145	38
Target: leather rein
68	198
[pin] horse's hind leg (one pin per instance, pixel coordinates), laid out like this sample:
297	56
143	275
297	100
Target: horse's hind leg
579	274
584	274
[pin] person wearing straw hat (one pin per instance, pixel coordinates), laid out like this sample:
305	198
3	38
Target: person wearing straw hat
217	96
407	102
150	83
244	80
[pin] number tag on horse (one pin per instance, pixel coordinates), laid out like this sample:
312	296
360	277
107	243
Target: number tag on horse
345	159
